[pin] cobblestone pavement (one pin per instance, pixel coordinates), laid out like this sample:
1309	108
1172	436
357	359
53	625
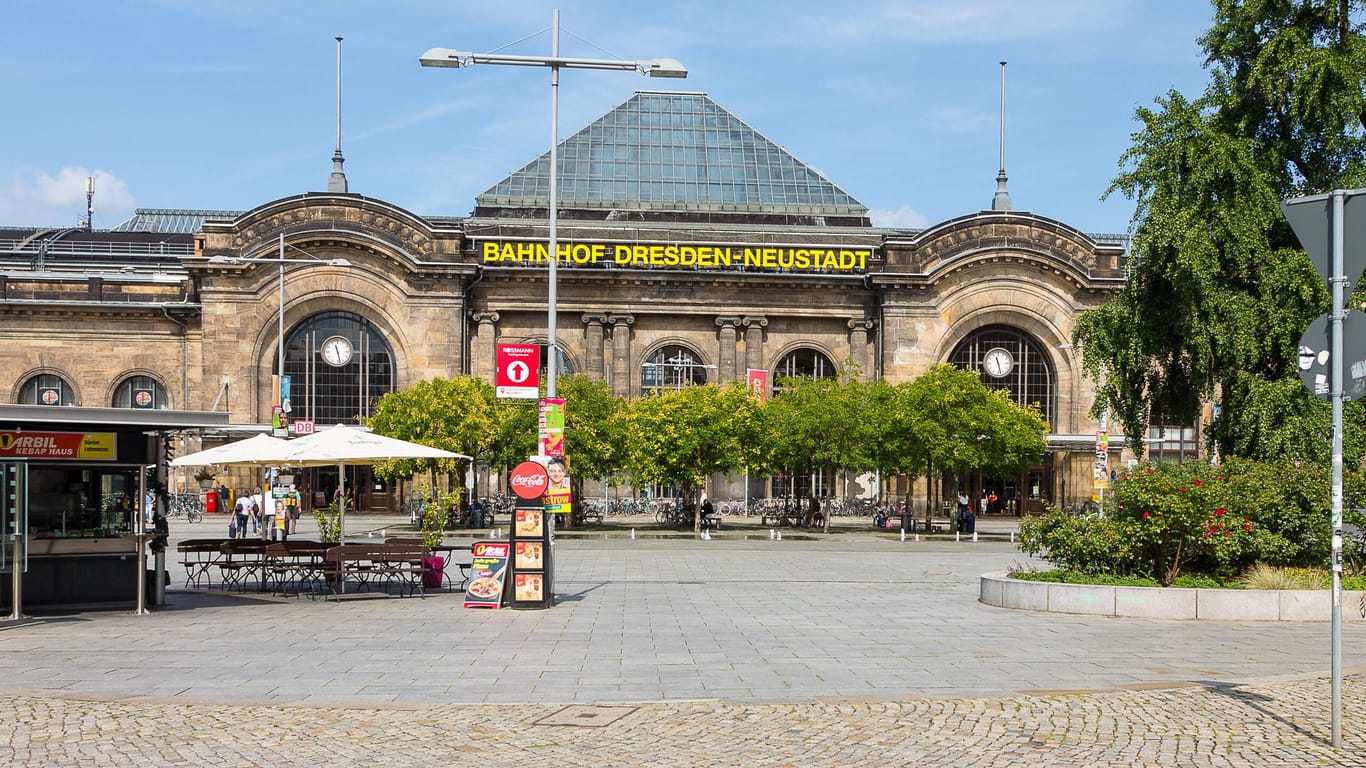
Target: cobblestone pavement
840	652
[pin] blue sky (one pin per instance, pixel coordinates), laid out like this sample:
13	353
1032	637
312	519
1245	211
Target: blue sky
228	104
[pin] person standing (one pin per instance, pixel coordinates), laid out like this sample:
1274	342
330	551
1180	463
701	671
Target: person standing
292	510
241	512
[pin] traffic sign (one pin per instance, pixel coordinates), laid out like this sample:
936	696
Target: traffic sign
1312	219
1315	358
518	372
301	427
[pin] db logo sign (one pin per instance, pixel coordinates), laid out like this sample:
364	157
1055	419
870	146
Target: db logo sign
529	480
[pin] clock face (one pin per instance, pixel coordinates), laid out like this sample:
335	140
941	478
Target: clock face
998	362
337	351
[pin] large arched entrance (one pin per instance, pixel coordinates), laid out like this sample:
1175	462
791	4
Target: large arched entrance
1010	359
339	365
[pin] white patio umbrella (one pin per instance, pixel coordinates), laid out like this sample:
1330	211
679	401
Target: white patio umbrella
255	450
342	445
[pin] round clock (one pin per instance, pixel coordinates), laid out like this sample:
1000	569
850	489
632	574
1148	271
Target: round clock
997	362
337	351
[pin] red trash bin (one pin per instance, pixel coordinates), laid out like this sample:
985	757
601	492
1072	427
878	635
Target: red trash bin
211	501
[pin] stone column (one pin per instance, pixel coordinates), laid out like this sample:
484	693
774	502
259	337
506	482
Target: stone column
593	338
620	380
483	346
858	346
754	340
726	357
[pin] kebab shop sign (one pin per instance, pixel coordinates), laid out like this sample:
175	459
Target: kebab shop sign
529	480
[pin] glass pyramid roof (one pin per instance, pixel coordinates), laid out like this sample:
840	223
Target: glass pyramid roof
673	151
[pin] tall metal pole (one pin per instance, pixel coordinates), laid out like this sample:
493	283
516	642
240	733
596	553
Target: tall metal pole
554	201
1339	280
280	328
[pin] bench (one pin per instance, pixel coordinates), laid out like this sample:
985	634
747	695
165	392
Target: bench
401	564
198	557
447	553
239	559
294	564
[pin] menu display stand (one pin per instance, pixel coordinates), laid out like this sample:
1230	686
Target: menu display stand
529	572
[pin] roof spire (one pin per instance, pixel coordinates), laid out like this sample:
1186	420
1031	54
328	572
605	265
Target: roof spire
1001	201
337	181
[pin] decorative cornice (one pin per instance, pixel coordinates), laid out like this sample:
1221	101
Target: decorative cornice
754	320
484	317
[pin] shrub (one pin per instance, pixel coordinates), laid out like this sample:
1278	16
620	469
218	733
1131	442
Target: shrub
1263	576
1086	544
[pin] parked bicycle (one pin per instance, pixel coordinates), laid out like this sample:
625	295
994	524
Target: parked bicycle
187	505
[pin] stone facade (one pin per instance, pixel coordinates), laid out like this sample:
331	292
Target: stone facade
207	315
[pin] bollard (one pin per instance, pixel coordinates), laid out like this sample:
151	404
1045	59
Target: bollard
633	533
974	535
955	536
1012	537
903	534
772	534
917	537
780	535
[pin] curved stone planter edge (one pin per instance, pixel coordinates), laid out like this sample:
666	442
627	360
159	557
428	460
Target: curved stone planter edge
998	589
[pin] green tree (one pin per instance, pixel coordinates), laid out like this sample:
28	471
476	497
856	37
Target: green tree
966	427
456	415
594	431
815	424
1220	291
682	436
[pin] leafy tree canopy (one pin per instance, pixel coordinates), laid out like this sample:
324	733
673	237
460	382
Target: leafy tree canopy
1220	291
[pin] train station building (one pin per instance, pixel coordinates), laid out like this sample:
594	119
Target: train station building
692	249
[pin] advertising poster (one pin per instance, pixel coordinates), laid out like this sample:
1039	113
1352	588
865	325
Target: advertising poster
528	587
557	494
489	562
528	555
518	371
528	522
757	382
1102	459
551	420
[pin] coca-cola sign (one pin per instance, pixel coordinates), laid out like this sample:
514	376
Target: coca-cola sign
529	480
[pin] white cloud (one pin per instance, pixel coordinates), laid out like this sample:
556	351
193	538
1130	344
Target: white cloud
34	197
904	217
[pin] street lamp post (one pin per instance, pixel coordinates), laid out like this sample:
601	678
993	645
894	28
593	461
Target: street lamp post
446	57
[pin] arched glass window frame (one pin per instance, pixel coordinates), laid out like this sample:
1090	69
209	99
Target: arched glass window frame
1031	380
124	393
672	367
792	366
31	393
336	395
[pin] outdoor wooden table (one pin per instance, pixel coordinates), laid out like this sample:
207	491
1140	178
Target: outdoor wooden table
199	556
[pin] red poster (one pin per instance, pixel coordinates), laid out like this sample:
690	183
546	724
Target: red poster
758	383
518	374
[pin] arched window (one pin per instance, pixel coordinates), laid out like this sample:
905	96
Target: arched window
46	389
802	364
143	392
671	367
562	365
1007	358
339	365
